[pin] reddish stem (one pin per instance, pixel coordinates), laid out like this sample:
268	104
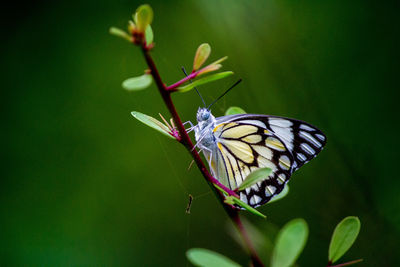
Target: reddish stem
344	264
172	87
187	142
253	253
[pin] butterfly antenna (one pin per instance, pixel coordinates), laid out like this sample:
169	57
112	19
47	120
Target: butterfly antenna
230	88
202	100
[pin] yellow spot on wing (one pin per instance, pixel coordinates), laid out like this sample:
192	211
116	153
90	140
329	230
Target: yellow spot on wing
219	146
265	163
228	169
239	131
274	143
239	149
281	178
228	125
213	165
284	162
234	175
252	139
244	170
263	151
232	168
216	128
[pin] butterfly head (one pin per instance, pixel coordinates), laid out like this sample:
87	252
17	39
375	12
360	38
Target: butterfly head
203	130
204	115
205	118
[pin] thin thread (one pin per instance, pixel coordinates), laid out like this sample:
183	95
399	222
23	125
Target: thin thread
201	195
187	237
171	167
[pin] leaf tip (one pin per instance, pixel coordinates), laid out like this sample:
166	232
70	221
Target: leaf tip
202	54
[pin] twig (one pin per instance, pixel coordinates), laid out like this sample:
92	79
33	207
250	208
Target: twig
251	250
345	264
187	78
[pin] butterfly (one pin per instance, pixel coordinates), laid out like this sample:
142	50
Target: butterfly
236	145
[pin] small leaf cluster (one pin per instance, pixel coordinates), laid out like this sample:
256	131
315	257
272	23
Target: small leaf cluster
201	56
289	244
190	82
140	33
139	28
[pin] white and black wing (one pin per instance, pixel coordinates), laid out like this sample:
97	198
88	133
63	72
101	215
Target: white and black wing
247	142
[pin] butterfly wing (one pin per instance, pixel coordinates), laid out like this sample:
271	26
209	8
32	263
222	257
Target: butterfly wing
247	142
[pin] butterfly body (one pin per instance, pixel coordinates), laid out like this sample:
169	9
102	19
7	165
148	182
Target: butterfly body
236	145
206	123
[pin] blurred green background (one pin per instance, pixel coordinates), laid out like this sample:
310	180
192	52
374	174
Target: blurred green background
84	184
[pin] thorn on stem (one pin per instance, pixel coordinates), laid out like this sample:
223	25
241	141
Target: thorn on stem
345	264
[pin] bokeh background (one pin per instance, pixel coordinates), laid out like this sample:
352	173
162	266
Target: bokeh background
85	184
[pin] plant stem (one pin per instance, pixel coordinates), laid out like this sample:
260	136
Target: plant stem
253	253
187	142
345	264
185	139
187	78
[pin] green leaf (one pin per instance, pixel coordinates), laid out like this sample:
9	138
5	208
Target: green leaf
152	122
137	83
143	17
229	200
255	177
219	60
233	200
204	80
281	195
149	35
212	67
209	68
208	258
343	237
234	110
120	33
289	244
202	53
220	189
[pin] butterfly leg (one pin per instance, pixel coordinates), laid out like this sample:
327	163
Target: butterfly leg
198	144
188	122
191	126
